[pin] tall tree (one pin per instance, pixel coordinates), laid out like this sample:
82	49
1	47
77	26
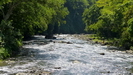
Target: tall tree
74	22
57	18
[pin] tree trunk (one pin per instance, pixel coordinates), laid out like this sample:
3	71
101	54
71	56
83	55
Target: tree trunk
49	34
10	10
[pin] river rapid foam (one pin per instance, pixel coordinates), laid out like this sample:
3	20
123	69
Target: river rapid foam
68	55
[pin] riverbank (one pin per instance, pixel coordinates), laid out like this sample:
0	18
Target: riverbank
97	40
94	39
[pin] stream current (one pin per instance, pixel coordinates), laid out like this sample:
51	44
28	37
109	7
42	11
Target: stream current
68	55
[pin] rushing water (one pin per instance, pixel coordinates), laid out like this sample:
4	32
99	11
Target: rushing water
68	55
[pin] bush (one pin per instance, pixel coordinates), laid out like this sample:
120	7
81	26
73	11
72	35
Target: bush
11	39
3	53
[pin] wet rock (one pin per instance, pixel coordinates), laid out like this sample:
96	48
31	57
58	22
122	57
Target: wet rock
102	53
69	43
113	50
21	74
63	42
10	62
54	37
50	37
130	74
2	72
54	42
38	73
51	49
46	72
96	42
105	72
76	61
42	43
32	71
50	40
129	51
57	67
126	68
90	39
106	43
108	71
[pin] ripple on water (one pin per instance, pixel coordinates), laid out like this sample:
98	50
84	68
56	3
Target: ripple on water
78	58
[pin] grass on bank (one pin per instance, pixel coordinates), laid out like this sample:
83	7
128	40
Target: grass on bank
99	40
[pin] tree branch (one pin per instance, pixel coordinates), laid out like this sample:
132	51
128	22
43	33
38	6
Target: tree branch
10	10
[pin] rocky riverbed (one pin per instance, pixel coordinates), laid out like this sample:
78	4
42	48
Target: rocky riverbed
67	55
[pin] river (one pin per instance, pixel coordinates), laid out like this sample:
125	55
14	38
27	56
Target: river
67	55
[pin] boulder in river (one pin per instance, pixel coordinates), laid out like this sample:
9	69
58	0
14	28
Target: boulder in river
102	53
105	72
76	61
65	42
57	67
69	43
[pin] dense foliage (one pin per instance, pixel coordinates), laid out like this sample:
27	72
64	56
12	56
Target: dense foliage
20	19
111	19
74	23
24	18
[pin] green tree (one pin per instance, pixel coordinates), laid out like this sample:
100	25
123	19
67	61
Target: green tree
74	23
90	16
57	18
21	19
114	21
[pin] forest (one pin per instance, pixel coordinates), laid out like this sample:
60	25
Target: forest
21	19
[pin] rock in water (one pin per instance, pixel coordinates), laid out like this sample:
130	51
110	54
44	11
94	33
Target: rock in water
76	61
102	53
57	67
69	43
